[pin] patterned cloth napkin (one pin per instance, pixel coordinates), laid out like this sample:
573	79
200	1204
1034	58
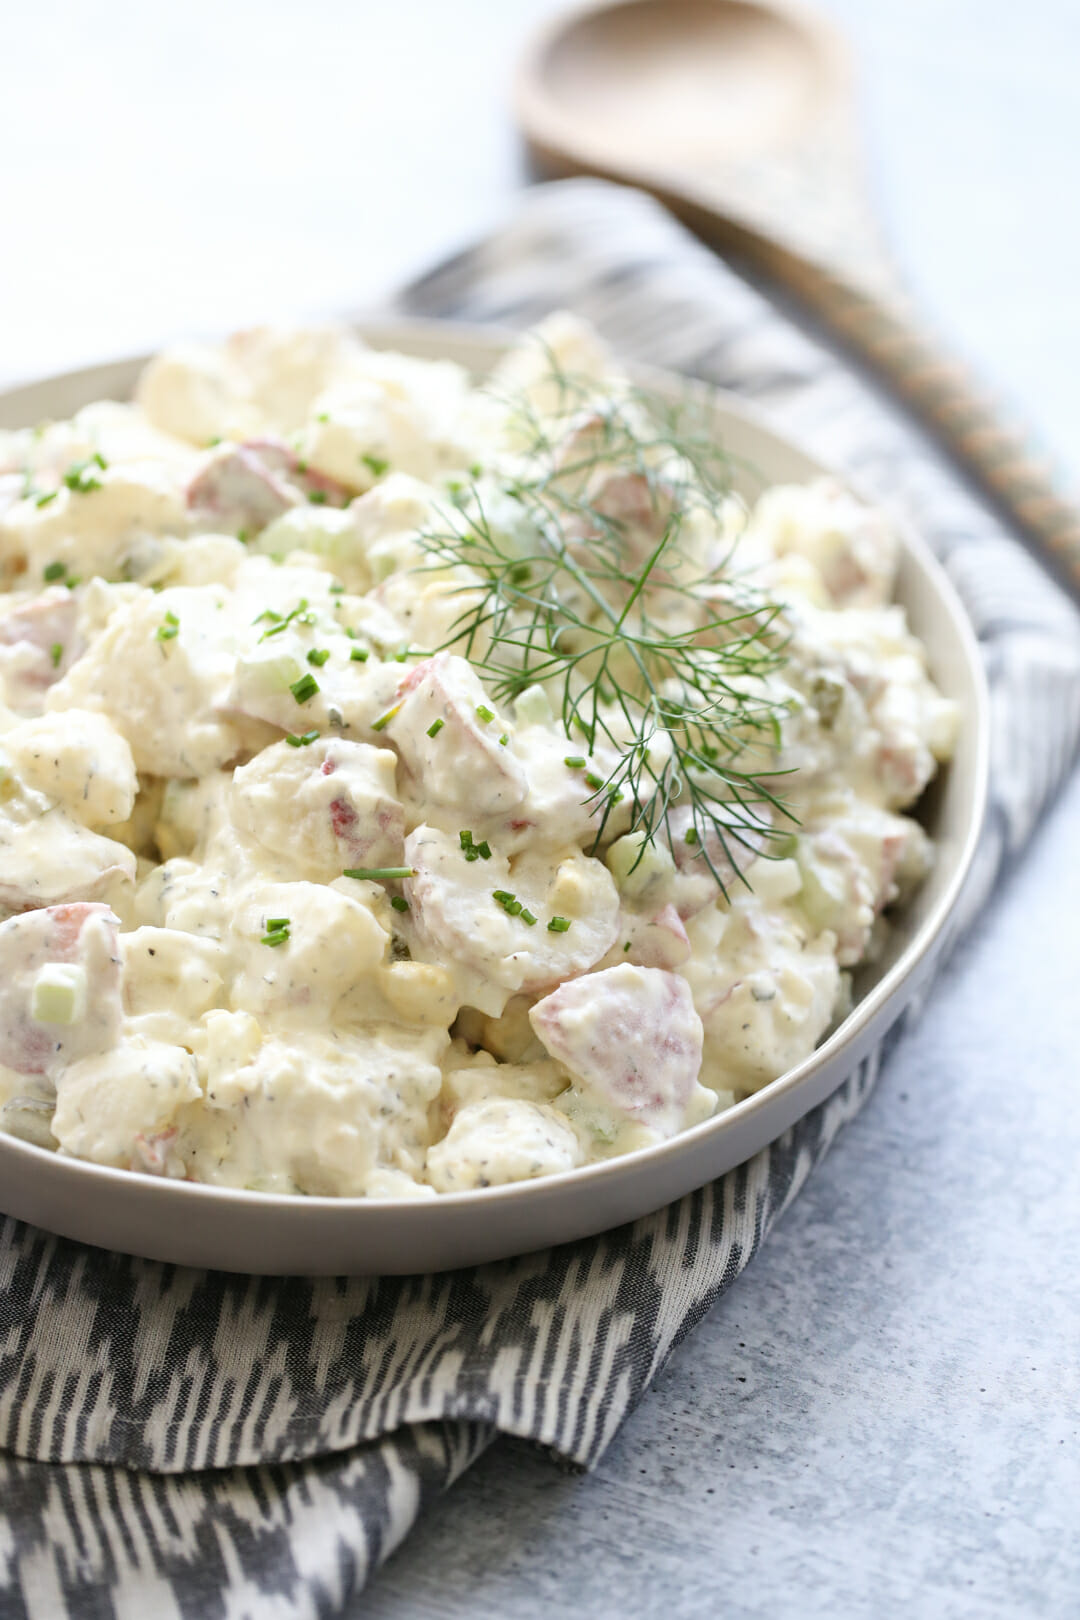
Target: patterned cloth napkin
189	1443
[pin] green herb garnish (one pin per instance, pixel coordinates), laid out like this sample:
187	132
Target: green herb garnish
82	476
384	719
304	689
663	658
378	874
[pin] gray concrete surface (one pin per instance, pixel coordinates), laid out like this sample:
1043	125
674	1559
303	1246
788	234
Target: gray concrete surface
881	1418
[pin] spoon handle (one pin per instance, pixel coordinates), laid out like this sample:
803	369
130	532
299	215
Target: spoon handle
882	329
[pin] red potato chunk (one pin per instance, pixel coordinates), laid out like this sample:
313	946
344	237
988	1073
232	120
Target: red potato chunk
632	1037
38	645
856	865
80	940
455	918
50	858
656	940
242	488
851	545
323	808
696	884
463	767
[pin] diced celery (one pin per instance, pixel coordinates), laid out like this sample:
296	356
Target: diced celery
588	1114
272	672
59	994
775	880
532	707
824	892
324	531
655	862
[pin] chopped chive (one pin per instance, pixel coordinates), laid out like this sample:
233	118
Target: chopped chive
274	923
558	925
54	570
527	917
56	652
318	656
575	761
509	902
399	902
485	713
378	874
594	781
277	931
243	536
301	742
317	497
384	719
300	613
401	654
692	836
376	465
435	727
626	947
169	628
358	655
81	479
50	495
475	470
504	739
304	689
336	589
323	416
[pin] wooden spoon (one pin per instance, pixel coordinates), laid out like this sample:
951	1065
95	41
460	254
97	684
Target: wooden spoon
739	116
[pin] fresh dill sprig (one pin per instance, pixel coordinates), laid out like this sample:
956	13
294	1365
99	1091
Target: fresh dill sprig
592	564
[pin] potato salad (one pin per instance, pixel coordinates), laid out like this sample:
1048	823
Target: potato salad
410	785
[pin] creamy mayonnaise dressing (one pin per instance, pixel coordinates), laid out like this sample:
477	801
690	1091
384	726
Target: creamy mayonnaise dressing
292	901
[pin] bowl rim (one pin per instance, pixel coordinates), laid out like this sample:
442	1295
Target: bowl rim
389	332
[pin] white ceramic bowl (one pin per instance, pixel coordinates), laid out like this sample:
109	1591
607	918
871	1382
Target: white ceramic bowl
192	1224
